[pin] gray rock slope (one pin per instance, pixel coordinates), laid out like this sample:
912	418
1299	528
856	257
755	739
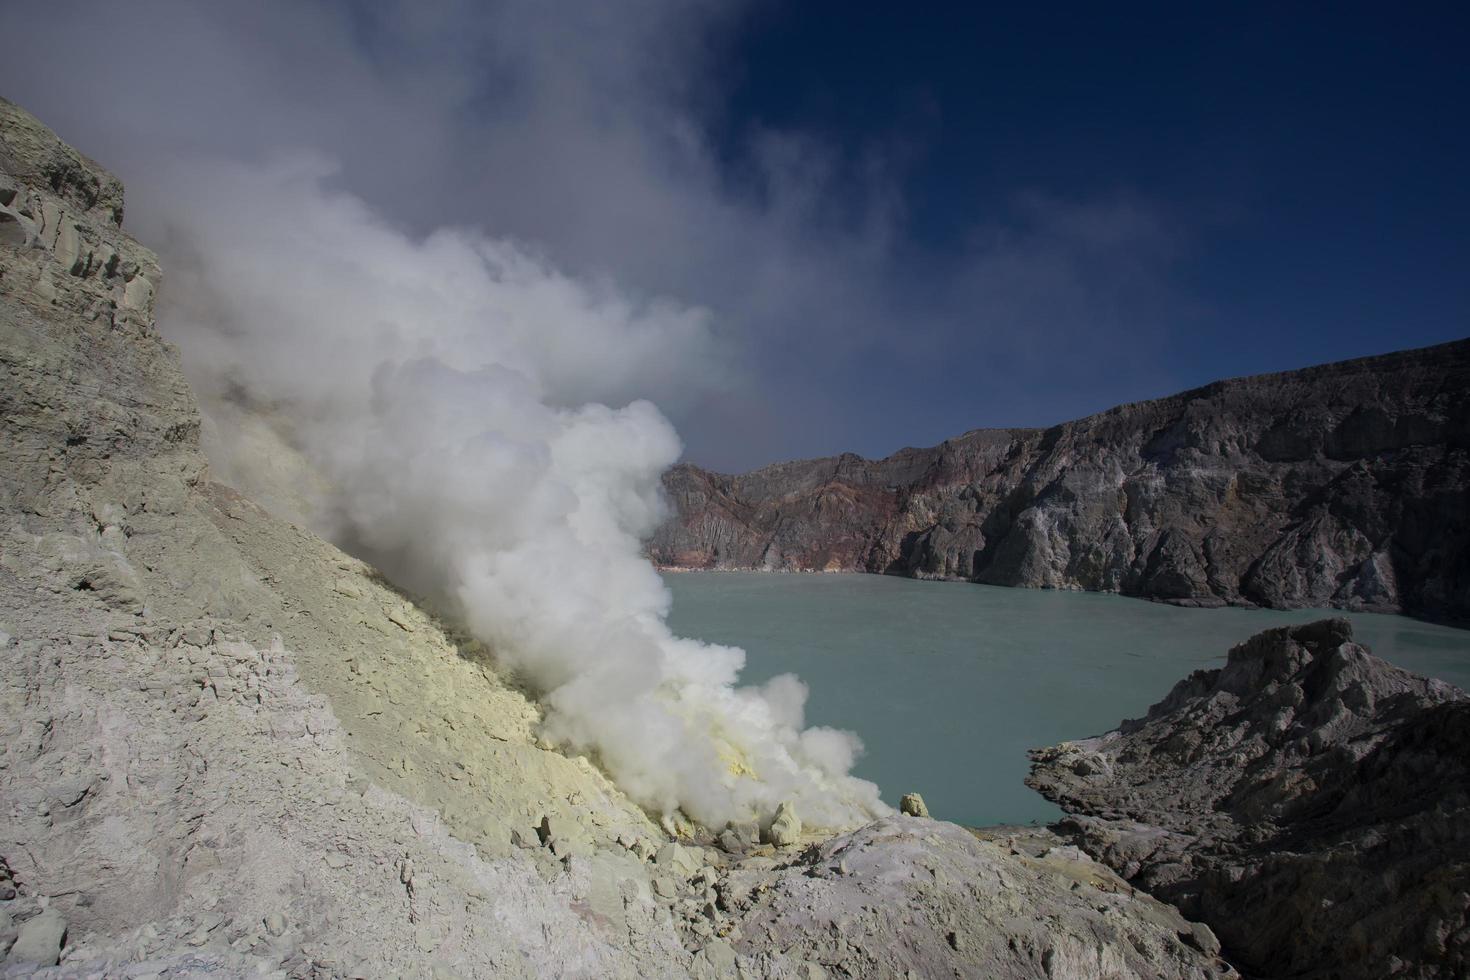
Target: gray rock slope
1308	801
229	749
1344	485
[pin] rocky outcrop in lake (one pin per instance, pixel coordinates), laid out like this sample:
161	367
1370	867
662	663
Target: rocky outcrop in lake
1308	801
1345	485
230	749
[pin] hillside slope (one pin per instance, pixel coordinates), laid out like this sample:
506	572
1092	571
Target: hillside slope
230	749
1343	485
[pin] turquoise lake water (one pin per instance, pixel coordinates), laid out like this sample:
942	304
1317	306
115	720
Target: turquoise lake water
949	684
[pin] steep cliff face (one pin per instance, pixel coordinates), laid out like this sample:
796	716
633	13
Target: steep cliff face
1308	801
1344	485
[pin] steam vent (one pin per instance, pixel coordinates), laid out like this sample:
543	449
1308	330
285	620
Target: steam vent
587	490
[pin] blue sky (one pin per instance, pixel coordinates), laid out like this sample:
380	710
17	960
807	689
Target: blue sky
1286	139
1309	163
904	222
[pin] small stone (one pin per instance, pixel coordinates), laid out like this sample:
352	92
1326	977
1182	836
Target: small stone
564	847
683	861
913	805
748	831
399	617
1201	938
347	587
335	861
40	940
275	923
717	959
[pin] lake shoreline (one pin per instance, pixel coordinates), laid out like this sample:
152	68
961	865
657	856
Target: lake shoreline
1190	603
949	688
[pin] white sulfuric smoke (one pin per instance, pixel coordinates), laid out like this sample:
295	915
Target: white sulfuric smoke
450	400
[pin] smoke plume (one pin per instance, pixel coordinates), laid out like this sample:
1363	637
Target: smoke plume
459	411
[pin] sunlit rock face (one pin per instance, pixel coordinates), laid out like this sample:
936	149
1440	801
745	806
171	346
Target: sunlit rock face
1346	485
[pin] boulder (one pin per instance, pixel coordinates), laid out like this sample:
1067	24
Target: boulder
681	860
913	805
786	827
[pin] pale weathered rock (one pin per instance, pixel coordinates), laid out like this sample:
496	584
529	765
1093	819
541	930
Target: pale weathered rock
1308	801
716	959
786	827
39	940
1341	485
678	859
400	617
348	588
912	886
913	805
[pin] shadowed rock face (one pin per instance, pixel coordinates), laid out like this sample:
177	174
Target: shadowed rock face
1308	801
1344	485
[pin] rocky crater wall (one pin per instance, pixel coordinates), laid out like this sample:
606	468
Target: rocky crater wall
1345	485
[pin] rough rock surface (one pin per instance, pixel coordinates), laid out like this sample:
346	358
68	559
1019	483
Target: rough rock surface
214	756
1344	485
1308	801
912	897
913	805
229	749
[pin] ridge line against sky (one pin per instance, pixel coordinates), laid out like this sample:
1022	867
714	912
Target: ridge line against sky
898	225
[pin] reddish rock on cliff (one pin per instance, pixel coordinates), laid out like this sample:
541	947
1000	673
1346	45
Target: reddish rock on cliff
1344	485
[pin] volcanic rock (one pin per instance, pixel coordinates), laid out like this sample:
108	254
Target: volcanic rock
913	805
786	827
39	941
930	899
1345	485
1308	801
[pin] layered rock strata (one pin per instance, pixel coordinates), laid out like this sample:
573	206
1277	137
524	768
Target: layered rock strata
1345	485
1308	801
229	749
